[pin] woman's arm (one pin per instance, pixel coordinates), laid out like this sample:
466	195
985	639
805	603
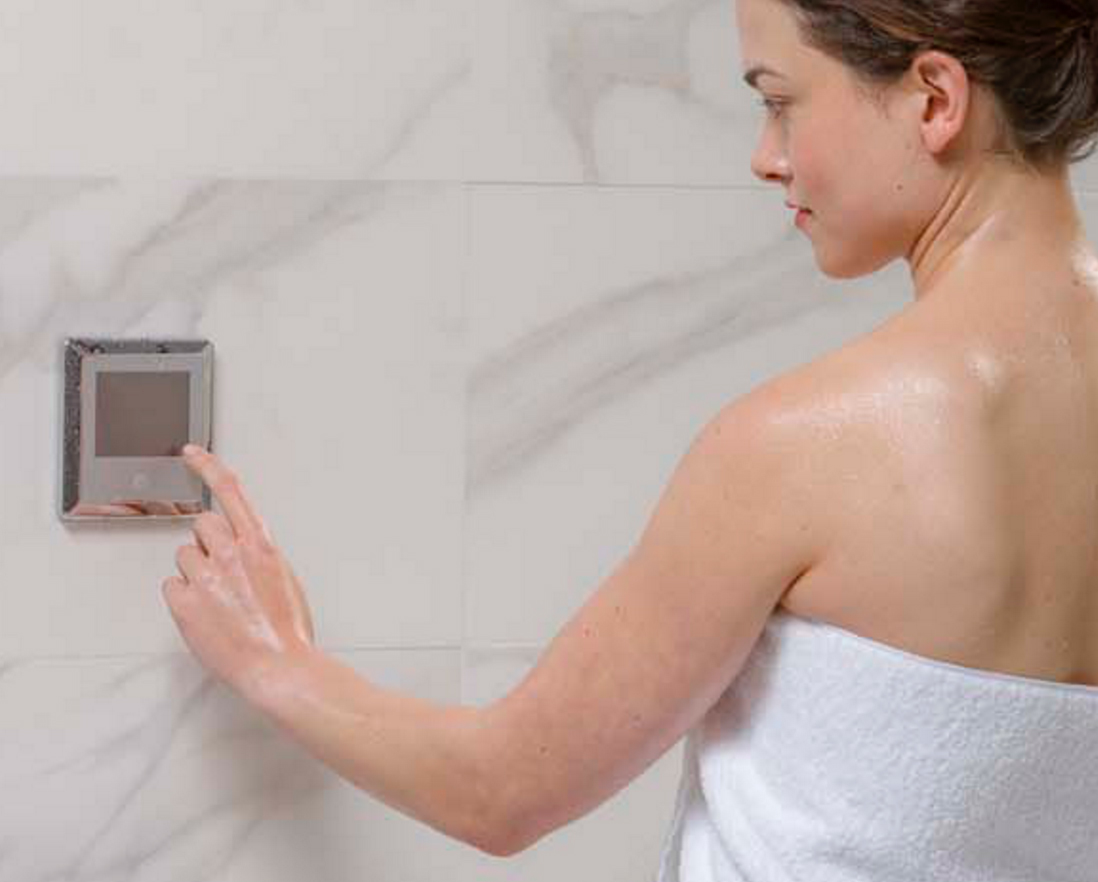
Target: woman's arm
652	649
421	759
636	667
744	517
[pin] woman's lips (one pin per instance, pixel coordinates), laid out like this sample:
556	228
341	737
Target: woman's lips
802	213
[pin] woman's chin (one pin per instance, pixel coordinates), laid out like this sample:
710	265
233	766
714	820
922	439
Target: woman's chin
856	266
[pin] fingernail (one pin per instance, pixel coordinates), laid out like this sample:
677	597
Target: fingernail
189	450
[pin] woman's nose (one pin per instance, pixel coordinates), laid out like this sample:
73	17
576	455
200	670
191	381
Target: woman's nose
768	164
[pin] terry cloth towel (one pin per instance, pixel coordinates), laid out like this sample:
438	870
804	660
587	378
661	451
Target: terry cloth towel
835	758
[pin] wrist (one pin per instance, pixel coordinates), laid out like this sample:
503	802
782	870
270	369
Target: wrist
268	684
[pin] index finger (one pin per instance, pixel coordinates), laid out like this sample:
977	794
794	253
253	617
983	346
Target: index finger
228	490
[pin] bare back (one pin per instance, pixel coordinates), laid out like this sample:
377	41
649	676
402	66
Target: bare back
964	490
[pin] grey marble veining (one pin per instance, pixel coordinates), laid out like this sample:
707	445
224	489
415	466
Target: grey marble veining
597	53
547	381
121	248
147	769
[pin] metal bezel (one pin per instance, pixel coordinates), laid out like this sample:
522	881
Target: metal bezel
88	483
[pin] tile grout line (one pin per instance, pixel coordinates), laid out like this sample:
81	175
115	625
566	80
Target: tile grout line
466	260
396	647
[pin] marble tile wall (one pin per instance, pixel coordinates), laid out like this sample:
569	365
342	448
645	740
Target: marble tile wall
476	271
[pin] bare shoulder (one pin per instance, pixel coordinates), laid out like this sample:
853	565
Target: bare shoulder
884	382
814	412
856	420
784	445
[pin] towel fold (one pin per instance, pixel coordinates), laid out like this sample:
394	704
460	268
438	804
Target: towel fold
836	758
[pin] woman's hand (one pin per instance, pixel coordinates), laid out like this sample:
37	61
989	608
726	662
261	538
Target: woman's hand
238	605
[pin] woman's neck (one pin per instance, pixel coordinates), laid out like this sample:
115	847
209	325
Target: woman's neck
1003	220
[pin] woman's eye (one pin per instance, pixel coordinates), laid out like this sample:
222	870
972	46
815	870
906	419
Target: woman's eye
772	107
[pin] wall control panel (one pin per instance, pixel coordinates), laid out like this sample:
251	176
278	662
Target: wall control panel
128	407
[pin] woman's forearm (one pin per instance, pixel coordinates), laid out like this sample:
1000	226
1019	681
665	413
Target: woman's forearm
423	760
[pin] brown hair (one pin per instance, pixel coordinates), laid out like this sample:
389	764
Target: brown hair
1039	59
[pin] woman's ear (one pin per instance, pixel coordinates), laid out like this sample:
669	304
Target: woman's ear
946	93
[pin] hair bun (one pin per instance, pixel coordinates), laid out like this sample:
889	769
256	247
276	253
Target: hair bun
1039	60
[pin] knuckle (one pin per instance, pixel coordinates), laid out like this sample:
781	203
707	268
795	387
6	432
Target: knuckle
208	520
228	480
224	552
223	487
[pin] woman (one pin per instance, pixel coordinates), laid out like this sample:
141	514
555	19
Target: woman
869	594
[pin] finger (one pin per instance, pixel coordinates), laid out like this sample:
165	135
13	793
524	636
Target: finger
117	508
172	583
171	587
229	492
192	564
301	606
214	534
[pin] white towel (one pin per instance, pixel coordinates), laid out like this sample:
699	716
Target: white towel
836	758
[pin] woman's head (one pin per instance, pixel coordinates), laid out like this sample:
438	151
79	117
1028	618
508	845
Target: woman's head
885	105
1039	58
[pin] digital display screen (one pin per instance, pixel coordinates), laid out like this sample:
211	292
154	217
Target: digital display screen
142	413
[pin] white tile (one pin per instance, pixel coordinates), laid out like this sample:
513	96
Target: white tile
253	88
609	91
606	328
632	91
146	769
336	315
